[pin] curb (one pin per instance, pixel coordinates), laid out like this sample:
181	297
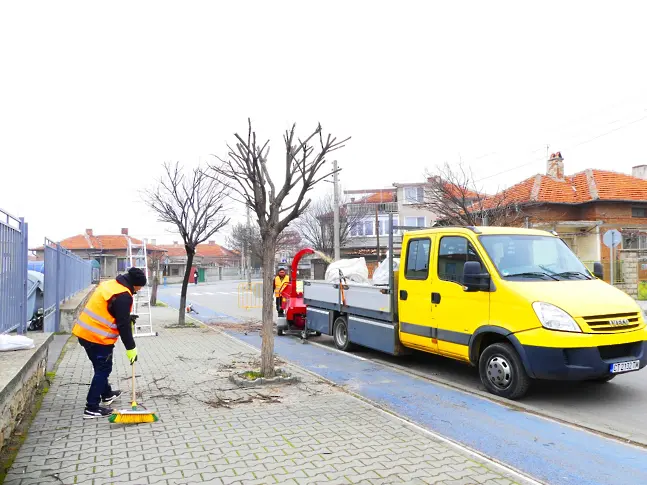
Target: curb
494	463
515	405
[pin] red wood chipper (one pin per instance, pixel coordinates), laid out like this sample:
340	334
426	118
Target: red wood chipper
294	321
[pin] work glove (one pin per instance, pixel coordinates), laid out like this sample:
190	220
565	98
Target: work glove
132	355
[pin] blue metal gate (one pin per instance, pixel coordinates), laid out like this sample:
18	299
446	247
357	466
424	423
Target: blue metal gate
13	273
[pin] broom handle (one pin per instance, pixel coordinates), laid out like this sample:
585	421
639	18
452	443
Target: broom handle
134	404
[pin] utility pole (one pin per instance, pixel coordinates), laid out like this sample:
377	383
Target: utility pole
248	245
377	229
336	237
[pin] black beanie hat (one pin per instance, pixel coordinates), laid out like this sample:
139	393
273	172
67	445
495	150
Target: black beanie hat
137	277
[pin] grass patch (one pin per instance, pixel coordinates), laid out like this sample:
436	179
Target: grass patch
251	375
162	304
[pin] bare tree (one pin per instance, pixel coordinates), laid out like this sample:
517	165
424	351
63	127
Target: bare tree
195	205
453	196
244	239
247	172
316	225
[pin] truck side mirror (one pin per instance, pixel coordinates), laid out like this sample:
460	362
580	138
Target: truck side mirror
598	270
473	277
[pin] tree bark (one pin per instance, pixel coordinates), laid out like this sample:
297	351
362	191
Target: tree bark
267	344
154	289
185	285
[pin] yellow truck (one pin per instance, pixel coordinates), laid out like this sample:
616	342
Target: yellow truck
515	303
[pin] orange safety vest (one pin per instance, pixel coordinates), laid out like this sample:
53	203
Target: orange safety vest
95	324
280	284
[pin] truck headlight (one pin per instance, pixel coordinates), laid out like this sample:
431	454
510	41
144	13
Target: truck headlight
554	318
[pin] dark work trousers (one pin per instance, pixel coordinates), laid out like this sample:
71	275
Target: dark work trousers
101	358
278	304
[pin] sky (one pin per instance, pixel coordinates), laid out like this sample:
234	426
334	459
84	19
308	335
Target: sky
94	97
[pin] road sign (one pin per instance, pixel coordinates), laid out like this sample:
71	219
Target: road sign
612	238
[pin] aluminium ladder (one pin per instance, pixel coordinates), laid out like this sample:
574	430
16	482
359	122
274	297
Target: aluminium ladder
138	258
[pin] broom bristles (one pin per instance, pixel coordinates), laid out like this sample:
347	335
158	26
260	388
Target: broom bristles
133	417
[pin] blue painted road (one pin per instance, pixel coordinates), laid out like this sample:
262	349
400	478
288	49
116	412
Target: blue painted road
549	451
205	314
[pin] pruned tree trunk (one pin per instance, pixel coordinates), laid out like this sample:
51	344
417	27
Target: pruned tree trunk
267	352
154	289
185	286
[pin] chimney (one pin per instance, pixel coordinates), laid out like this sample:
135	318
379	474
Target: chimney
174	243
639	171
212	243
89	232
124	231
555	167
154	242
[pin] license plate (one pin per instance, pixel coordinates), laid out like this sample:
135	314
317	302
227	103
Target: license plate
624	366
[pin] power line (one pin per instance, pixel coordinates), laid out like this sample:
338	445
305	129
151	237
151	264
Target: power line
567	148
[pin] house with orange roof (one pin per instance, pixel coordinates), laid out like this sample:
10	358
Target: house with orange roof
111	251
583	206
210	260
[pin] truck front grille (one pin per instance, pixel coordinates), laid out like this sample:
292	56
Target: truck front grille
620	322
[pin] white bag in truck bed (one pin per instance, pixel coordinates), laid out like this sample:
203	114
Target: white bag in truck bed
354	270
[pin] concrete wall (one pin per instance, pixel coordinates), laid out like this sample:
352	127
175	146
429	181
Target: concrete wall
21	373
71	309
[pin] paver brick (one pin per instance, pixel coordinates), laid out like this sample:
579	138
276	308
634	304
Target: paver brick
326	438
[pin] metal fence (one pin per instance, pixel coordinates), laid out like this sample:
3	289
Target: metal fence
13	273
65	275
619	274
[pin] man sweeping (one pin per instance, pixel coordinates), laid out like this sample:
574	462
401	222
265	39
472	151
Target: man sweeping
105	318
281	280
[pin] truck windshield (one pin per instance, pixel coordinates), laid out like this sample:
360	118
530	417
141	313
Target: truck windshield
533	258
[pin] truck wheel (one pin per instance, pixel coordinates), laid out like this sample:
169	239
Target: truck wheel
279	332
340	335
502	371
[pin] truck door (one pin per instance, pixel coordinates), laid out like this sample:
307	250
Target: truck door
414	294
457	313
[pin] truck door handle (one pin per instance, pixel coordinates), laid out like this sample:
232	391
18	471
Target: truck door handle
403	295
435	298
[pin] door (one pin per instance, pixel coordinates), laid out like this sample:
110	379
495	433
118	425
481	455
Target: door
457	313
201	275
414	295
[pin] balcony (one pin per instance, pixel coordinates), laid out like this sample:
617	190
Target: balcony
372	208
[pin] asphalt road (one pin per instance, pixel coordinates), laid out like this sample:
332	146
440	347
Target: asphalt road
616	408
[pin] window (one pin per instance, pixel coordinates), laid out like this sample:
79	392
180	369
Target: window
414	221
634	241
453	253
418	251
639	212
122	265
527	258
369	227
357	229
414	195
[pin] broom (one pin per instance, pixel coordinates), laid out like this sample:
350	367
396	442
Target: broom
133	415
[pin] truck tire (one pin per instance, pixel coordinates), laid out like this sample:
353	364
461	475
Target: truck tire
340	334
502	372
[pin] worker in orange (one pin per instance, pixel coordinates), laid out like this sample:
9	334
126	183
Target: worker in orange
106	317
281	280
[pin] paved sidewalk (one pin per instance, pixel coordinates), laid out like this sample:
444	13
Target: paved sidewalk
210	431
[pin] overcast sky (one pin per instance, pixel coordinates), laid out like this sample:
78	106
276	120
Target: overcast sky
94	97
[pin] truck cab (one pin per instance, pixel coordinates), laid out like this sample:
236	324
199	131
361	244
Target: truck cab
516	303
